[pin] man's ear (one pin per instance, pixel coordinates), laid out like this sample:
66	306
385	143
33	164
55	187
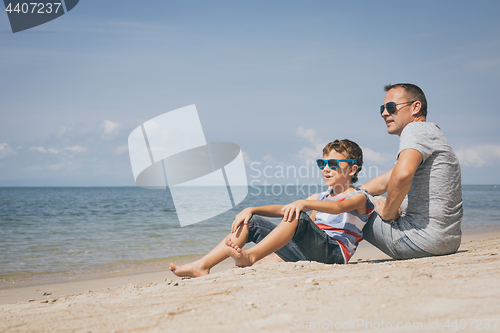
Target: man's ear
417	105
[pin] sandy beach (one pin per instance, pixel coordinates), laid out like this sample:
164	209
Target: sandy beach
451	293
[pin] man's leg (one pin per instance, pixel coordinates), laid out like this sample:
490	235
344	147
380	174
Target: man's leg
388	238
379	233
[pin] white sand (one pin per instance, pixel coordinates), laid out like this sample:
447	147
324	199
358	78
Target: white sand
367	295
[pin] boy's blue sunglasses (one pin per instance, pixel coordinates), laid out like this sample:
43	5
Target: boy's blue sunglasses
333	164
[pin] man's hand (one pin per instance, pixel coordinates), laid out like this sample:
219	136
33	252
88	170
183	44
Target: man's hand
292	210
380	208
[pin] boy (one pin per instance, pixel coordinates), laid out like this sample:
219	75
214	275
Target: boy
330	235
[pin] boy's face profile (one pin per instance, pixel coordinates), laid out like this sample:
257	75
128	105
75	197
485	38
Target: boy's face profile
344	172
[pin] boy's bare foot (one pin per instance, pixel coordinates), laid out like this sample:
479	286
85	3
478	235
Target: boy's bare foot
241	257
192	269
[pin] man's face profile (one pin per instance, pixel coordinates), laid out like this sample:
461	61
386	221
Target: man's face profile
397	121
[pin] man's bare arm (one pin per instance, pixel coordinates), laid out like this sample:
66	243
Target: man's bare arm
378	185
399	183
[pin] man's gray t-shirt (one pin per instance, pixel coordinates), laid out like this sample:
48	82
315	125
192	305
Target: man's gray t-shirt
432	211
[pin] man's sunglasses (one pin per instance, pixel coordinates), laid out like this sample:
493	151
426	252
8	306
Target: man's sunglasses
391	107
333	164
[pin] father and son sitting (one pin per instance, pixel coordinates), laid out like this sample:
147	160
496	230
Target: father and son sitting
419	217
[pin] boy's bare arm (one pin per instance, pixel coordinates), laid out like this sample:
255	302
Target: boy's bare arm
268	211
313	197
378	185
312	215
292	210
244	216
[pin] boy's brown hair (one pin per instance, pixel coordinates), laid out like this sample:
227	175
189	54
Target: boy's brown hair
349	149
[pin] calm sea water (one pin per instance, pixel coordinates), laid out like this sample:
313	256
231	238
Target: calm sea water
49	232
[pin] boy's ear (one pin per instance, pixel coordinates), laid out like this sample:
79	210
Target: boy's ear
354	169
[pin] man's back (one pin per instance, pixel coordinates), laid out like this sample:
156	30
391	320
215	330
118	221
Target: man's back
432	211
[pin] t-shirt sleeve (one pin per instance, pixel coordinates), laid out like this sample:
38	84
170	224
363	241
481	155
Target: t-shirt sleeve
417	137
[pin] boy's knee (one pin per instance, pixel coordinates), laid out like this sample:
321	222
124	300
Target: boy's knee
302	224
255	223
251	221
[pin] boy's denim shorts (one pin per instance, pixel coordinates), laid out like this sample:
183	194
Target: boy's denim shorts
308	243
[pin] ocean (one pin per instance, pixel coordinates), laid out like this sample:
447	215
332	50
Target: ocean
49	233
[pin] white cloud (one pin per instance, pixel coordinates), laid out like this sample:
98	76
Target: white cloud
307	133
310	135
246	158
5	150
121	149
308	153
479	155
110	128
76	149
312	153
40	149
270	160
63	130
53	151
58	166
373	157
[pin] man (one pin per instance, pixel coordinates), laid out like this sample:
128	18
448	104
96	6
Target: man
422	212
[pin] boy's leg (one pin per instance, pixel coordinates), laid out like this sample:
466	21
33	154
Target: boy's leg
312	243
260	227
273	258
202	266
275	240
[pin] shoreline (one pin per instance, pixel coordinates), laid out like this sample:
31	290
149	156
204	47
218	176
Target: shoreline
157	265
49	289
143	266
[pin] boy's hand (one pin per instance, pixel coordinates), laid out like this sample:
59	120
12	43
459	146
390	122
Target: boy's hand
242	217
292	210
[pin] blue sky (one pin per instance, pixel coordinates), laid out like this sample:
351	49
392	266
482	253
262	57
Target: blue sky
279	78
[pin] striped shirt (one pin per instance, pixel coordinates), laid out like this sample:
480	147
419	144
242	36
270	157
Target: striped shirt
345	228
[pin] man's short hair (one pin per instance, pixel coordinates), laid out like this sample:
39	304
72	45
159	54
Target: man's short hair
413	93
348	148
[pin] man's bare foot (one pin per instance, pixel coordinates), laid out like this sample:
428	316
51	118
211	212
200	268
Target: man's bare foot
241	257
192	269
273	258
